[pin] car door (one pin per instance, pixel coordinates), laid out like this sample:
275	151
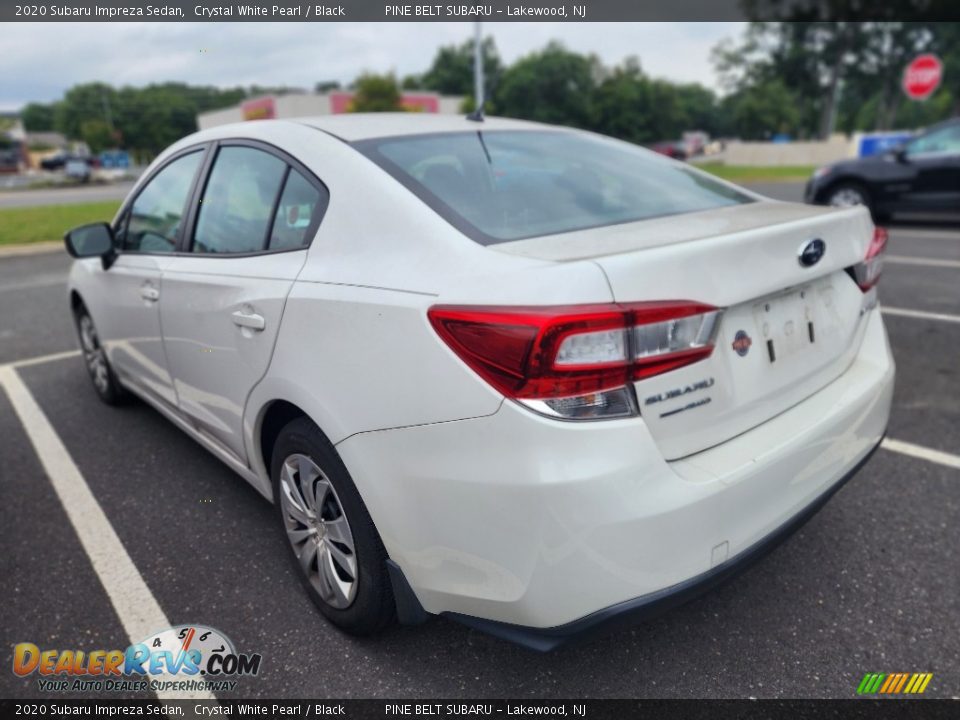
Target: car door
225	292
127	309
934	159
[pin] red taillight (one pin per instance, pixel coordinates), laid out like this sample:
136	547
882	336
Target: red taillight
867	273
580	351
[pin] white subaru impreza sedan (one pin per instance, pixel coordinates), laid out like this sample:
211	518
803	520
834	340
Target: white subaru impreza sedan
530	378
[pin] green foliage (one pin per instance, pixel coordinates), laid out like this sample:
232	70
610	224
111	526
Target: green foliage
376	93
761	111
452	70
750	173
49	222
37	117
846	71
552	86
794	76
97	134
144	120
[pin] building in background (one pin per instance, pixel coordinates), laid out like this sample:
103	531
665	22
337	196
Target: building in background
271	107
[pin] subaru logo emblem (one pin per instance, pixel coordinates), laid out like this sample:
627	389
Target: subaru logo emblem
811	253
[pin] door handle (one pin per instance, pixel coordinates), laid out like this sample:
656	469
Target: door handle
149	293
249	320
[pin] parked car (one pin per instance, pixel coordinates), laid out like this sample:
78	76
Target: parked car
676	149
921	176
55	161
537	380
77	169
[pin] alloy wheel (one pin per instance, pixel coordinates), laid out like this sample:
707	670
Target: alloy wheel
94	355
318	530
847	197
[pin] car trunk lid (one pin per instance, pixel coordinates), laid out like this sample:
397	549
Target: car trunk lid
787	330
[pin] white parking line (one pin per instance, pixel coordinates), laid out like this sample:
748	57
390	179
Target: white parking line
136	606
918	451
40	360
922	261
919	314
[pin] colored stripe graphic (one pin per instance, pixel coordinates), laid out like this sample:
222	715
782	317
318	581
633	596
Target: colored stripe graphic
894	683
901	682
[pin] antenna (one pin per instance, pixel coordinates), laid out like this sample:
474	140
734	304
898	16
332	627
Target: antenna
477	114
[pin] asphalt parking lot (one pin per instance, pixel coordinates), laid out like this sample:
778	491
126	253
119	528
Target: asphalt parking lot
871	584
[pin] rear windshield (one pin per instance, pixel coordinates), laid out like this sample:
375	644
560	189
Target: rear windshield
497	186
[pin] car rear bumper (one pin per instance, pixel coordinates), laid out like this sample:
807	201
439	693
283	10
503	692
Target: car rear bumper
539	530
632	612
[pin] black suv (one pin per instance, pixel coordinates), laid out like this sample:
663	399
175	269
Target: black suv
921	176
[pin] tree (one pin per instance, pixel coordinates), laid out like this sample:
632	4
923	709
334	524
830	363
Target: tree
847	73
452	70
37	117
763	110
552	86
376	93
90	101
888	48
946	42
144	119
97	135
623	105
629	105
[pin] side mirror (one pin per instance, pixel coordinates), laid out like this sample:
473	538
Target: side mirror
94	240
900	154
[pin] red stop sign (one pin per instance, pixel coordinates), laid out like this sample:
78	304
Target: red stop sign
922	77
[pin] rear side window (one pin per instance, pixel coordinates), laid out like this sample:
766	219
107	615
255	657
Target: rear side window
236	210
498	186
297	213
157	213
944	141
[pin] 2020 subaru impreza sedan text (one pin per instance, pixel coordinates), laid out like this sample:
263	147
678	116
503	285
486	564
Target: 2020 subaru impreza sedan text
532	378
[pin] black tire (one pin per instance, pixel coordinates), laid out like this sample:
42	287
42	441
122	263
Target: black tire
103	378
372	607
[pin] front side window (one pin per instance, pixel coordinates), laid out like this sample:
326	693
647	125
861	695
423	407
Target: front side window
156	215
236	210
497	186
943	141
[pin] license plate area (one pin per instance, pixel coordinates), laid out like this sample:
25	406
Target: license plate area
791	323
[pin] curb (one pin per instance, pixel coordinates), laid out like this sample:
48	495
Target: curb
37	248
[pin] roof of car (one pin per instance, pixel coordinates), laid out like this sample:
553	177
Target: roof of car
363	126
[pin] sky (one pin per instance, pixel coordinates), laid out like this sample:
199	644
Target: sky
39	61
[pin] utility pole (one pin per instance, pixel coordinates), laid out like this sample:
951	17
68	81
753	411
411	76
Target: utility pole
478	97
834	105
108	116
